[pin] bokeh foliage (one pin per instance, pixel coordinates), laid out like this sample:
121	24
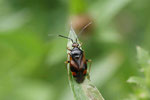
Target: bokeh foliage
32	62
142	88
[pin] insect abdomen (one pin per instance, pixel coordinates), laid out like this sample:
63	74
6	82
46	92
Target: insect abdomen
79	75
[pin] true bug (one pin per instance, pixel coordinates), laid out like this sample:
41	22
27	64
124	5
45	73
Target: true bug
78	62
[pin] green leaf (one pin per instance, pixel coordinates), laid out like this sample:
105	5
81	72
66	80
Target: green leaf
143	57
144	61
138	80
85	90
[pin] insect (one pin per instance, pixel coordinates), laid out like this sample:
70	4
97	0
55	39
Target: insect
78	62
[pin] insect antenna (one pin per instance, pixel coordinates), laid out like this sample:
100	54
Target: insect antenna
65	37
84	28
76	40
53	35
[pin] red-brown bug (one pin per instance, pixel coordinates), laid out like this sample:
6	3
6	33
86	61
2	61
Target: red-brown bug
78	62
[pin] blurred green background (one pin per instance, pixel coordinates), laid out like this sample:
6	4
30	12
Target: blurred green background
32	60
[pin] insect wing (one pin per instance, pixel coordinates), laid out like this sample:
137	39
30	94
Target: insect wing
83	66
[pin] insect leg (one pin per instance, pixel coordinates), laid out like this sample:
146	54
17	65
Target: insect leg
68	49
66	62
88	75
90	61
80	44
